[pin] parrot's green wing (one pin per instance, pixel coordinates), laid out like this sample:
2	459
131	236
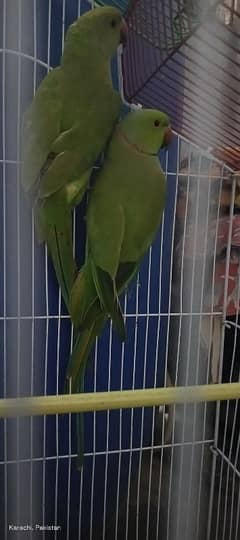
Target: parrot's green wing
66	128
83	295
105	255
93	317
41	126
108	297
94	289
94	279
64	168
54	225
53	218
105	241
76	189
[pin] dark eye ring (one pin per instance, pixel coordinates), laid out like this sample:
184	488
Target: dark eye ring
113	23
156	123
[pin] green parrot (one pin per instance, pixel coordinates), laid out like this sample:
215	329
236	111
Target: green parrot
67	127
124	212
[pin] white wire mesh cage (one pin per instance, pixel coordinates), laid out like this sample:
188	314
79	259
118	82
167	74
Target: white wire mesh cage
170	473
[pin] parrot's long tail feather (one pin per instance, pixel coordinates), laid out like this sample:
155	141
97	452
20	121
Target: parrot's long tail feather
60	275
75	375
82	347
60	247
82	298
83	342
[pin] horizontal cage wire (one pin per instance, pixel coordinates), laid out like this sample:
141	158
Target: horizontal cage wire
169	472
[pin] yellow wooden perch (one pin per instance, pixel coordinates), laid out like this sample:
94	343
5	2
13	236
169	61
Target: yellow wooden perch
102	401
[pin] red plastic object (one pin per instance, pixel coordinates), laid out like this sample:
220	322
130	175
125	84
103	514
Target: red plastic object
183	57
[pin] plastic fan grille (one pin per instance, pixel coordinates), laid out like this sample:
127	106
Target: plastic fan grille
184	57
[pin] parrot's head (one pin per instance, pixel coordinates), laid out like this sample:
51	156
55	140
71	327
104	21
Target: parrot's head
101	29
111	29
147	130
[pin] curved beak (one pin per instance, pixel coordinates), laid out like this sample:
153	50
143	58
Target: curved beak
123	32
167	136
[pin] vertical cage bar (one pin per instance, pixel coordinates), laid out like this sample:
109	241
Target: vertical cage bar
57	417
210	337
4	263
120	432
217	418
32	284
160	265
80	506
132	411
107	434
144	385
19	16
167	346
45	392
184	419
94	443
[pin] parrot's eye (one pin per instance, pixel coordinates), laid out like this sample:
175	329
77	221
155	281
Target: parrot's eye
156	123
113	23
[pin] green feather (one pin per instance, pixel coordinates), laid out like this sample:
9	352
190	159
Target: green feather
107	294
66	128
124	213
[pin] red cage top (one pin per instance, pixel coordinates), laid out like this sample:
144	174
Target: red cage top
183	57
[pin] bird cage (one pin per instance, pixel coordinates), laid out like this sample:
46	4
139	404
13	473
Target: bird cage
169	472
190	48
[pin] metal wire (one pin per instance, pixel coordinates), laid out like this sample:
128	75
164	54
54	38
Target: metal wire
150	479
4	263
199	62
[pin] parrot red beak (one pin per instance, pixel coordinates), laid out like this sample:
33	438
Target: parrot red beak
167	136
123	32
